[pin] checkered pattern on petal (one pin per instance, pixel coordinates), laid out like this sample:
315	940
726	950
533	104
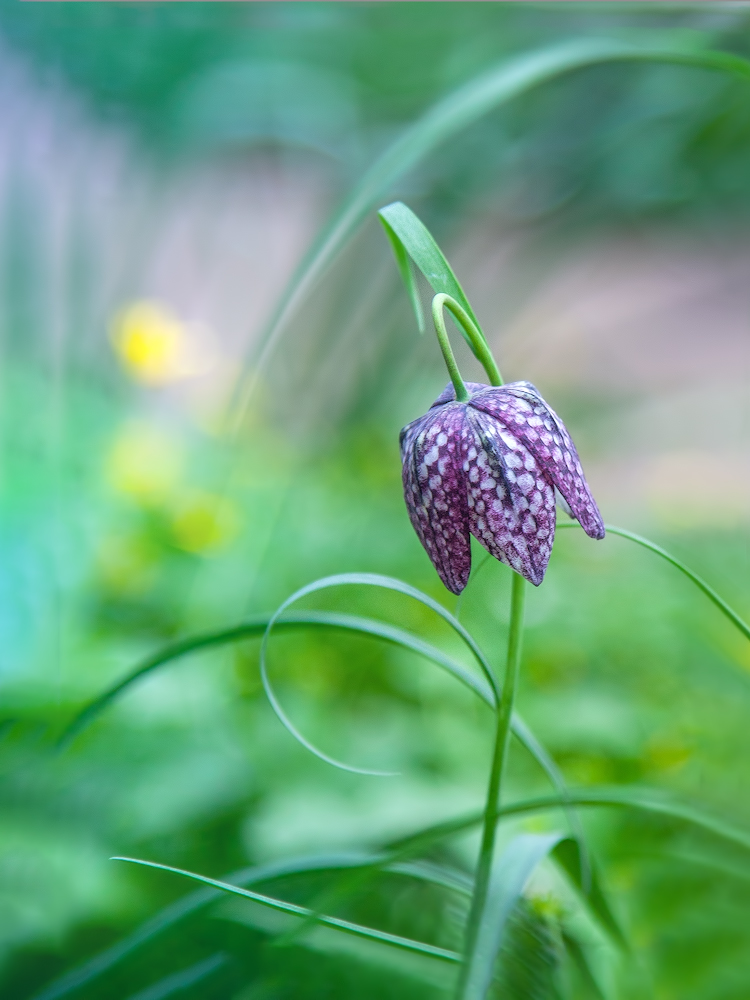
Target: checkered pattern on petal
511	501
435	490
492	467
520	408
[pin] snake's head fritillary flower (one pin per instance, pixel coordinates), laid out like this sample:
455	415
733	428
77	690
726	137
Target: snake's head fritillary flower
494	467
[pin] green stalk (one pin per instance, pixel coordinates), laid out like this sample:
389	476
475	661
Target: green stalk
462	393
481	348
499	755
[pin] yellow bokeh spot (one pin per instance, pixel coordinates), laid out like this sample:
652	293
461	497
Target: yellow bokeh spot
151	342
144	463
205	523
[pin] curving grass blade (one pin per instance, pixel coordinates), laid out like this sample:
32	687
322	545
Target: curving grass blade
356	881
89	971
182	980
404	267
699	582
369	580
447	117
519	728
346	926
171	915
367	626
255	628
568	855
410	238
557	780
484	686
578	953
647	800
428	871
510	873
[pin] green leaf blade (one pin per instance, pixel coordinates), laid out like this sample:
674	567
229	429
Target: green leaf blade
411	238
510	873
178	982
447	117
567	853
407	275
346	926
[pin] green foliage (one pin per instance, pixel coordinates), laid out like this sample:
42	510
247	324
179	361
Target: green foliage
634	694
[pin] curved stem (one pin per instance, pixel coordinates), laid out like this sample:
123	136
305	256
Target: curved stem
478	343
699	582
462	393
500	753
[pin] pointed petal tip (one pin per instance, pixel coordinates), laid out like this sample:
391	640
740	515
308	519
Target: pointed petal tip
536	570
592	523
435	493
455	587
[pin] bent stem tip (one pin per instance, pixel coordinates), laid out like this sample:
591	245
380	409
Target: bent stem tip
474	335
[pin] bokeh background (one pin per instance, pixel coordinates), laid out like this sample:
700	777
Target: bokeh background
163	170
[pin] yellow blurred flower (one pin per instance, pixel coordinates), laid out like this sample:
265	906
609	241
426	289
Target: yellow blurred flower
205	523
153	345
144	463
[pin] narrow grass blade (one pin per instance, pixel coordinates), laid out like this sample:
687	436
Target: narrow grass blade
428	871
182	980
356	882
399	587
255	628
555	775
369	580
648	800
656	801
520	729
511	871
76	978
568	855
406	944
445	119
578	953
410	238
407	275
183	908
644	799
700	583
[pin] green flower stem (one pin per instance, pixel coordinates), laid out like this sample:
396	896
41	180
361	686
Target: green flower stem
479	344
462	393
500	753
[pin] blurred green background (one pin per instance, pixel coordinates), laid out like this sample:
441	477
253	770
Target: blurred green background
163	169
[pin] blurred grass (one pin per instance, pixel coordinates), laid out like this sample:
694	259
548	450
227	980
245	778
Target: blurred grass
122	528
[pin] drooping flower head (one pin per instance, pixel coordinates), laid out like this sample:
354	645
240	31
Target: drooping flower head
492	466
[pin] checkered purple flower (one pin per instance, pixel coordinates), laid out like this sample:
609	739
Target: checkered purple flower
492	467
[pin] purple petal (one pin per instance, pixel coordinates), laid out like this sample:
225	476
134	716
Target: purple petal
511	501
520	408
435	491
449	393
